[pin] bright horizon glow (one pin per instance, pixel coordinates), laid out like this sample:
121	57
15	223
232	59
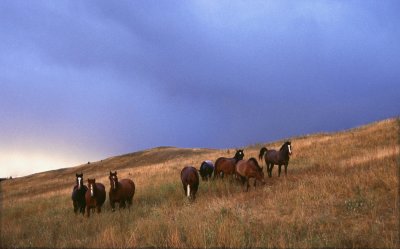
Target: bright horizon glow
17	164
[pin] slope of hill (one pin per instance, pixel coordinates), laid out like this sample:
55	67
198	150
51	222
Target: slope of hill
341	190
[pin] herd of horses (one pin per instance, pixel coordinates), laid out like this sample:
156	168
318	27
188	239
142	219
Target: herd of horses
92	197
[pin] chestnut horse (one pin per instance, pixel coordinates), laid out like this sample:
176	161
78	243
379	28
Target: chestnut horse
120	191
226	166
190	181
249	169
206	170
95	196
280	157
78	195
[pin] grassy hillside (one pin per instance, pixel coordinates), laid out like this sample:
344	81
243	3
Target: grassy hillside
342	190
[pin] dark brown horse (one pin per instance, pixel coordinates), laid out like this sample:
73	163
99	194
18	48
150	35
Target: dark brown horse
120	191
206	170
280	157
250	169
190	181
95	196
226	166
78	195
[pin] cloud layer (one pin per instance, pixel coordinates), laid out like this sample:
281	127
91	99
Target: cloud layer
86	80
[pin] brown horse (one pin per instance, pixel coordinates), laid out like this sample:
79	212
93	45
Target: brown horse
95	196
249	169
190	181
78	195
226	166
280	157
120	191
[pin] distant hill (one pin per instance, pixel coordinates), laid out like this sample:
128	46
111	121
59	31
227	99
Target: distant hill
341	191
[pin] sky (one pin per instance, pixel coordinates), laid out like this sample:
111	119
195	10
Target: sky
85	80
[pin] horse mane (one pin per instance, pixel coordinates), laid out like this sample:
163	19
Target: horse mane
255	162
283	146
263	150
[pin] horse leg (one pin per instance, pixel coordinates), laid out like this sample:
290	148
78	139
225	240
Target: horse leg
286	169
184	189
112	203
247	184
82	209
129	202
270	168
88	211
122	204
98	209
217	173
279	170
75	207
243	179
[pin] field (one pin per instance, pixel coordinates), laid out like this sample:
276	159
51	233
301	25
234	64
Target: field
342	190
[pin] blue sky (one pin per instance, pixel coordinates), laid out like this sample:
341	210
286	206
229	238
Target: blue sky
85	80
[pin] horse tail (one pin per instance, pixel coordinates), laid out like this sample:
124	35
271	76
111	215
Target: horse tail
262	152
216	167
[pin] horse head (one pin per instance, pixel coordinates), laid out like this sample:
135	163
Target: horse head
287	147
259	169
239	155
113	180
79	180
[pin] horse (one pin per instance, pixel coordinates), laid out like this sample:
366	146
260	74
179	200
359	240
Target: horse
95	196
120	191
249	169
280	157
227	165
78	195
206	170
190	181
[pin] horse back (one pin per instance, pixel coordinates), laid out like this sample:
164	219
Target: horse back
218	162
226	165
241	167
128	187
101	193
249	168
189	176
272	156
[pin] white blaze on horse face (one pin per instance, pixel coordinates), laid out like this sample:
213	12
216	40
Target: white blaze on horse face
290	149
114	182
91	190
79	182
188	190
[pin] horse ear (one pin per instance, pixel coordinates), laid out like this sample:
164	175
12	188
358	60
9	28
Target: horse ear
115	172
110	172
76	174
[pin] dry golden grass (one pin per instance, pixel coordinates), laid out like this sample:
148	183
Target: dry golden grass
342	190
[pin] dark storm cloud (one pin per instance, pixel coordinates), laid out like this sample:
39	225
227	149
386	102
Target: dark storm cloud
108	78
